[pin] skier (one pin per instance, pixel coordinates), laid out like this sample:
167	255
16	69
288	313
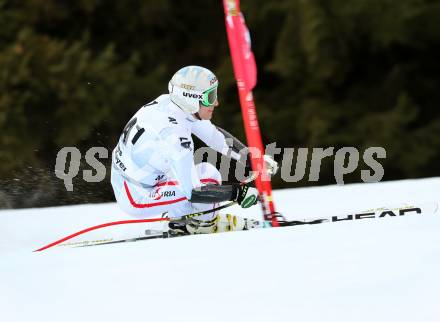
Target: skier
153	170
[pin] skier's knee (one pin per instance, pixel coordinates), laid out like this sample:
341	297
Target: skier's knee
208	173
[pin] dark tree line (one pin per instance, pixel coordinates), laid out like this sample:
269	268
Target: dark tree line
330	73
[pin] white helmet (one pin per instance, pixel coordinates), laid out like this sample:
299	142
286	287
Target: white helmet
192	86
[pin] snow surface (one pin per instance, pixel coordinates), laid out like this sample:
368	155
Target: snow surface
383	269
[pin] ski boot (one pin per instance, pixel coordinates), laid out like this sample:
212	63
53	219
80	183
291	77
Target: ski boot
220	223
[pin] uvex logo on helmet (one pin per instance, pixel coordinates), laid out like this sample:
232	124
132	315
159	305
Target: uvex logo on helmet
200	97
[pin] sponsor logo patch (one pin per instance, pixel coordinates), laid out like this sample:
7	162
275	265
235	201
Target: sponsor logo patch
191	95
188	87
213	81
158	194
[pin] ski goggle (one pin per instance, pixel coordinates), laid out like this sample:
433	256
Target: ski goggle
209	96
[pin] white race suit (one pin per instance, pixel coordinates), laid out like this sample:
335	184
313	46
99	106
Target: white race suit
153	168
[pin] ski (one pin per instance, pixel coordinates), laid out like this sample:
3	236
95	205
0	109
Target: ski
375	213
62	241
363	216
128	240
159	234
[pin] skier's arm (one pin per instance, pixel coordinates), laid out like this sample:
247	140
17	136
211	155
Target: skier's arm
237	146
243	151
215	138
